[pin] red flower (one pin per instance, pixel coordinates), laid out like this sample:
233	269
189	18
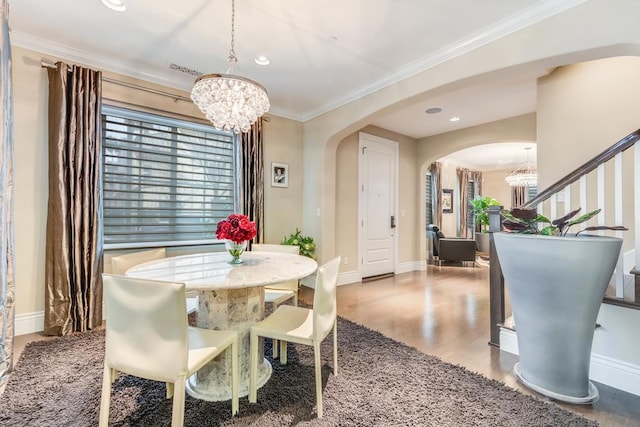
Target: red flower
236	228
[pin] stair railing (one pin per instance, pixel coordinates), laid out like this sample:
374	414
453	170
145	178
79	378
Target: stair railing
558	197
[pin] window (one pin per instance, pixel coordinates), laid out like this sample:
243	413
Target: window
429	199
471	218
532	191
166	182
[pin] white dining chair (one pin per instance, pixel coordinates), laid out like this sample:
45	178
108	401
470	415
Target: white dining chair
302	326
147	336
121	263
278	293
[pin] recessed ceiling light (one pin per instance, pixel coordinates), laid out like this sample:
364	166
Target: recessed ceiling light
262	60
454	119
117	5
434	110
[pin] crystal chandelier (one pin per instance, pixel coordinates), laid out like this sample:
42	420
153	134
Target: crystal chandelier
523	176
230	102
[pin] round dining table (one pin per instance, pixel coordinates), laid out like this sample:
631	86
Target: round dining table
230	297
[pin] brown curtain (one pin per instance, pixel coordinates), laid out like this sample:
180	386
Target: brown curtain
7	253
252	177
476	176
463	194
518	195
436	179
73	295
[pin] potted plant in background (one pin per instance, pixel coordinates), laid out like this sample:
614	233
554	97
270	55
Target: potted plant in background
556	283
307	248
480	205
305	243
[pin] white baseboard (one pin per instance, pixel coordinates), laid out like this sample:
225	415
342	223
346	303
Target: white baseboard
29	323
349	277
605	370
407	267
356	275
509	341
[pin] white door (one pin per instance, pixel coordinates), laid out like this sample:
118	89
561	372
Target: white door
377	167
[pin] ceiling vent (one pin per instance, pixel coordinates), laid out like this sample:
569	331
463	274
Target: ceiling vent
186	70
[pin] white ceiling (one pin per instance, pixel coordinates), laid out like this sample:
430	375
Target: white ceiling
379	42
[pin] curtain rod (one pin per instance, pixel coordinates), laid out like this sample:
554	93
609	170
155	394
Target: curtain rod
46	64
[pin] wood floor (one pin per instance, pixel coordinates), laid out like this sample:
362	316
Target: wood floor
444	311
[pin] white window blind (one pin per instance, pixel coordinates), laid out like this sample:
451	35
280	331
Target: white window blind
166	182
428	197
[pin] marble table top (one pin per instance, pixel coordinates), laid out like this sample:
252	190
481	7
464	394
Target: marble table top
207	271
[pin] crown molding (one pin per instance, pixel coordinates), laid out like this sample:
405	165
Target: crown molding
173	79
509	25
134	69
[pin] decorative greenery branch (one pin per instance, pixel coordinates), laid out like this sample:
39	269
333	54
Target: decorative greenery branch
526	221
307	247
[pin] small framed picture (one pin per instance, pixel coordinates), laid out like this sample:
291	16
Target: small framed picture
447	201
279	175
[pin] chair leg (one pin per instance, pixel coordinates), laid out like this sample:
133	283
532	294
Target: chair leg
253	377
274	342
235	374
335	348
105	400
177	414
295	298
170	390
283	352
318	366
114	376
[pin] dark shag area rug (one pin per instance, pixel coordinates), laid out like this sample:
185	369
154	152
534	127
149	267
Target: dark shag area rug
381	383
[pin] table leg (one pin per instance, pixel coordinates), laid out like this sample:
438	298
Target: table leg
236	310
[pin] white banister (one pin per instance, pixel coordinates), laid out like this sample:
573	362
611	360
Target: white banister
601	196
636	198
553	206
617	194
583	191
567	199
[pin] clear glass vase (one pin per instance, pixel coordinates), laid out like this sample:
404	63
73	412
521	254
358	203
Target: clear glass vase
235	249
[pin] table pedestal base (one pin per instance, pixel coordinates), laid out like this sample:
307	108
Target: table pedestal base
234	310
215	389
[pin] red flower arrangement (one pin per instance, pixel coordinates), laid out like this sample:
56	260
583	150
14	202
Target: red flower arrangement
236	228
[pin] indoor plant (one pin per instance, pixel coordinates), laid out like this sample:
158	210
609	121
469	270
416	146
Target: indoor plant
479	208
305	243
556	283
237	229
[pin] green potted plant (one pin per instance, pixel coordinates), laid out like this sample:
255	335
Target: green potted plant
479	209
307	247
556	283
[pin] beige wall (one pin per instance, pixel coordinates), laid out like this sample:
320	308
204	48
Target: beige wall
582	110
346	205
283	205
282	144
494	185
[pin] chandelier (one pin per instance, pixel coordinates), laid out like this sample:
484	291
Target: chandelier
230	102
523	176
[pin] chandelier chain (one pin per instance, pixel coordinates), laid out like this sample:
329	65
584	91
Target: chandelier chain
232	53
230	102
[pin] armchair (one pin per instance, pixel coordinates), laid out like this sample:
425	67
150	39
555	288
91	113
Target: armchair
450	249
